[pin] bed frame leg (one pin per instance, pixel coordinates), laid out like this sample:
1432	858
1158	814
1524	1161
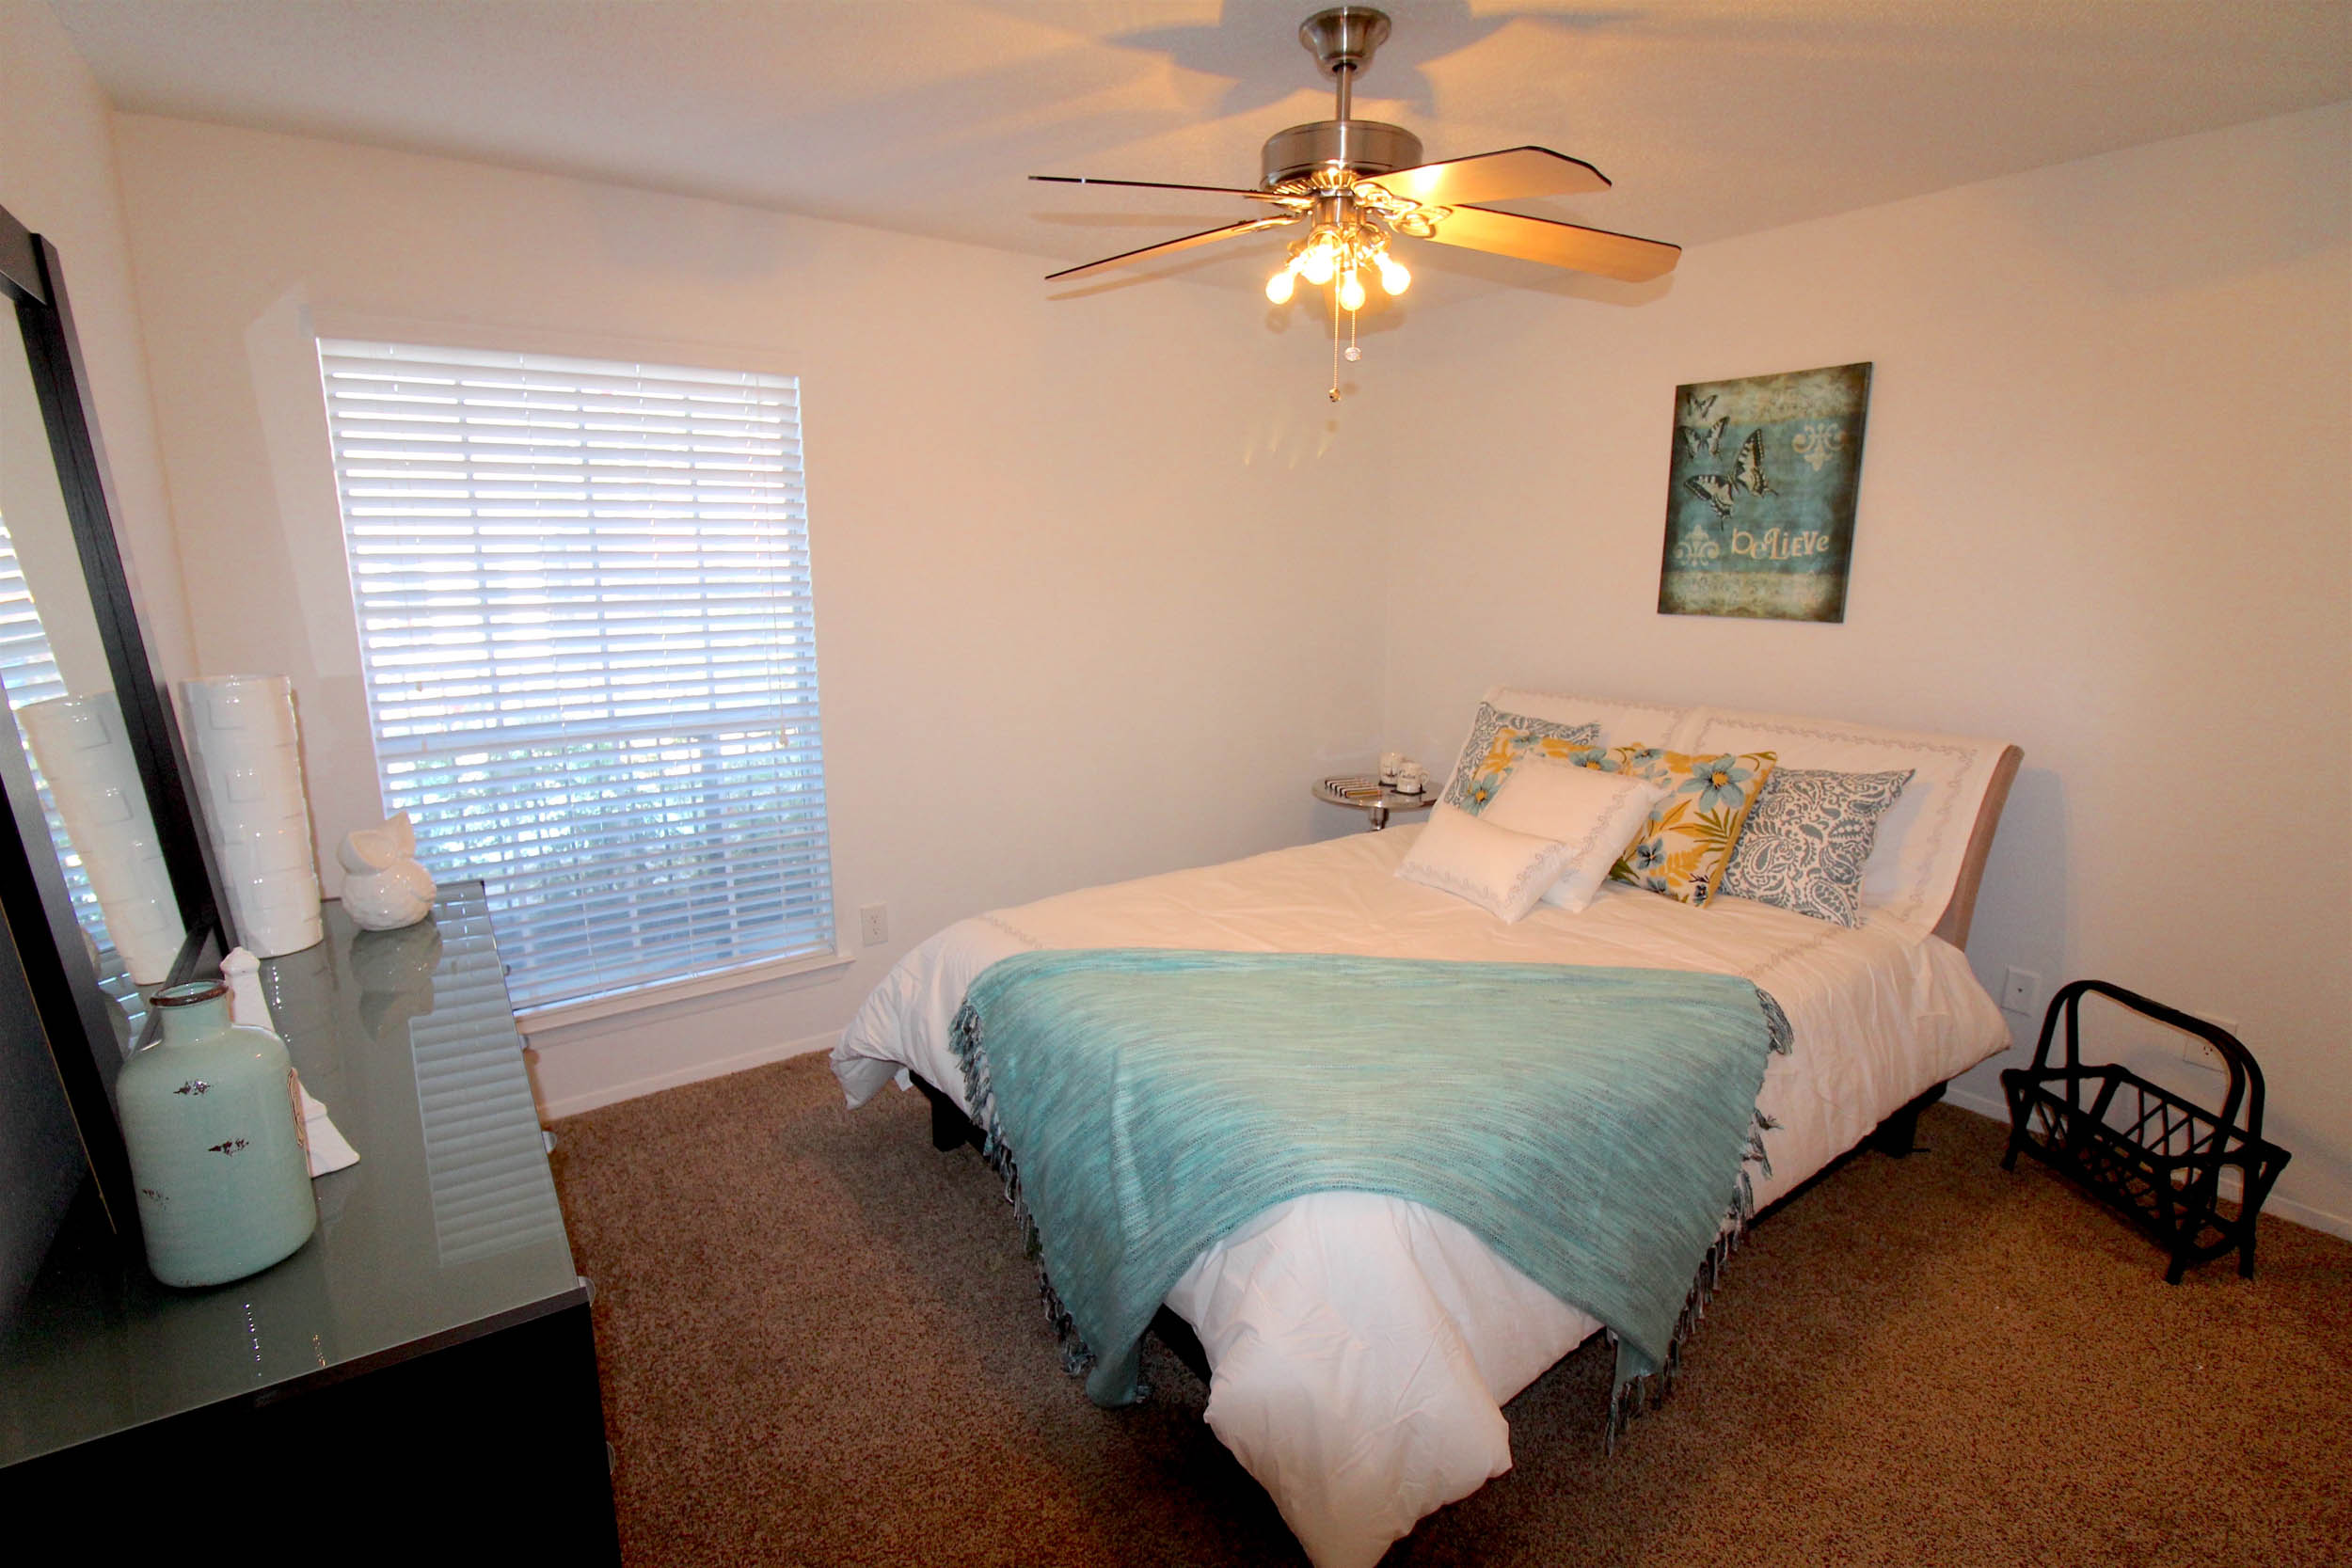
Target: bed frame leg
1182	1342
1899	1135
951	1127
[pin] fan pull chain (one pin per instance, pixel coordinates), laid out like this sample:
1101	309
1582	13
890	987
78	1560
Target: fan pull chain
1354	353
1335	346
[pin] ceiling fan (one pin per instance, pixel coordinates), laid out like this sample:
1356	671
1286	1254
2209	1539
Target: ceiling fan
1358	184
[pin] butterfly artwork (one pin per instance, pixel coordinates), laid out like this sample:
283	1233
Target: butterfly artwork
1752	465
1711	437
1720	490
1759	506
1714	489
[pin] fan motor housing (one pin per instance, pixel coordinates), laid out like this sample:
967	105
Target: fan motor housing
1360	147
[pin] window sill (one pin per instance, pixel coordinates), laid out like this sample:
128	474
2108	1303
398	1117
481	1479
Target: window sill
587	1009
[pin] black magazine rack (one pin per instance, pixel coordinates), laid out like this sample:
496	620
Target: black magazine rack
2154	1156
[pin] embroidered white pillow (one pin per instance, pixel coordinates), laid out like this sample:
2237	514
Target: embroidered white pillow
1501	871
1595	814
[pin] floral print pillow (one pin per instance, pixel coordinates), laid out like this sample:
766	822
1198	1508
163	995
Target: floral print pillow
1498	739
1683	849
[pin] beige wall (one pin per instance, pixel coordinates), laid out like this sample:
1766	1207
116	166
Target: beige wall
2103	514
1087	600
58	176
1068	548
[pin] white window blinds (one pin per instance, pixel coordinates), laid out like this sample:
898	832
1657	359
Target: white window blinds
589	648
28	671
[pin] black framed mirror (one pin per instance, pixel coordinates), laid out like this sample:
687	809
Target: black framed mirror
107	885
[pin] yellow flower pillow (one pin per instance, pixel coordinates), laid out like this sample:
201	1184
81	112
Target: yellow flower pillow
1685	847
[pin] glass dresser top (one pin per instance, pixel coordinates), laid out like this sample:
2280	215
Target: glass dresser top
447	1226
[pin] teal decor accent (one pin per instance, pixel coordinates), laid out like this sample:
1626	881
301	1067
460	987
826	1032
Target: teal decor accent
1591	1124
213	1120
1760	495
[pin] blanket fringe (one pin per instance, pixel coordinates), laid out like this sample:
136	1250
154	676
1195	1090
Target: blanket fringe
1783	1037
1638	1396
979	1093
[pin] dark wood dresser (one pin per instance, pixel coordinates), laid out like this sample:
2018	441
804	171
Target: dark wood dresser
419	1378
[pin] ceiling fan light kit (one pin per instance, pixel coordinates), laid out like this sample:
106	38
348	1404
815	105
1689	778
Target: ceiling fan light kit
1358	184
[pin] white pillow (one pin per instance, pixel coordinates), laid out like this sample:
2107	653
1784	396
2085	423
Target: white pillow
1595	814
1922	842
1501	871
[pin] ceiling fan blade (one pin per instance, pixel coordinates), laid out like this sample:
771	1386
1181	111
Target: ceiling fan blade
1506	176
1169	247
1163	185
1558	244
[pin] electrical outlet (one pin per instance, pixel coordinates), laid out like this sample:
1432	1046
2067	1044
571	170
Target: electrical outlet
873	922
2019	987
2196	1053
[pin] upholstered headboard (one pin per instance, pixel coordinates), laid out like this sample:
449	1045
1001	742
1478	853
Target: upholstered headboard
1929	859
1953	927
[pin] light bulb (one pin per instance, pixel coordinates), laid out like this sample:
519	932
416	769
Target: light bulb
1279	287
1393	276
1351	291
1317	267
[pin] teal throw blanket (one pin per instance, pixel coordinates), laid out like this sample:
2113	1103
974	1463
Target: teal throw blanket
1591	1124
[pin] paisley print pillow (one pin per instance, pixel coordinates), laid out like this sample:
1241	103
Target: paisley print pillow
1805	842
1683	851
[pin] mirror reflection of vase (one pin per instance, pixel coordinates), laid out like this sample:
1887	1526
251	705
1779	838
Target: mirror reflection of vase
85	756
303	992
301	989
395	970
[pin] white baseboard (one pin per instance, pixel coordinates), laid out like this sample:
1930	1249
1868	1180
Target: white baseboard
1983	1104
2285	1208
562	1094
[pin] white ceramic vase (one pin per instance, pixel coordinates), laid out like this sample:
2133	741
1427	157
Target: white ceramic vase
85	756
248	760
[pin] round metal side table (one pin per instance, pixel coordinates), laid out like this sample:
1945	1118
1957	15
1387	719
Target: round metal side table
1375	807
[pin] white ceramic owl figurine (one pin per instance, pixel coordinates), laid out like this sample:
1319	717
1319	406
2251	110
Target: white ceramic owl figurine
383	885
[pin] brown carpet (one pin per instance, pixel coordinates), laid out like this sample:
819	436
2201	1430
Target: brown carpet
821	1344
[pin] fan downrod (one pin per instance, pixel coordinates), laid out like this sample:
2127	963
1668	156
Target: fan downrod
1341	40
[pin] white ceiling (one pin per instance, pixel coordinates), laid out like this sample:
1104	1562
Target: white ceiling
1714	118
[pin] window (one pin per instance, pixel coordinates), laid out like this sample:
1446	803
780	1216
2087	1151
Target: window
588	644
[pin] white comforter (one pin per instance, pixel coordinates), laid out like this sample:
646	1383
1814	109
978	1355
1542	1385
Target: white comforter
1363	1346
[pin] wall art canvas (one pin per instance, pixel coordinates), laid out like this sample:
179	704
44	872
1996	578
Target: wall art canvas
1760	495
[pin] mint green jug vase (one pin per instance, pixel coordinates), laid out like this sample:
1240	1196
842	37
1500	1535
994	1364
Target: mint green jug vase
213	1124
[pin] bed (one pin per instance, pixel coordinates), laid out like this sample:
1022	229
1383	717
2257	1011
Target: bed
1361	1346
